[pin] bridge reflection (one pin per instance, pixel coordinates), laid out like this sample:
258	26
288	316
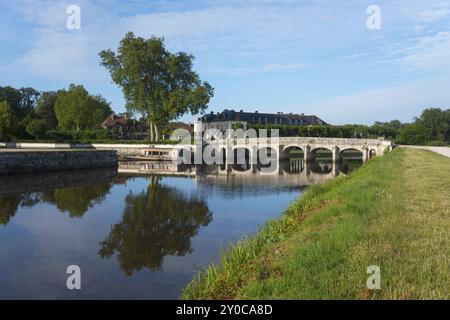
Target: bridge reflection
292	172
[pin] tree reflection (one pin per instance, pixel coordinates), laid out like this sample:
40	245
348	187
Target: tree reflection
77	200
8	207
158	222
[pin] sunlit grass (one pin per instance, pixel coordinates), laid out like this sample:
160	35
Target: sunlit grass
393	212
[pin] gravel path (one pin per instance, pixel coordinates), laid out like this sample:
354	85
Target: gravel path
445	151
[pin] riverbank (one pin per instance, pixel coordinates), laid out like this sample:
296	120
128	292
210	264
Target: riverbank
393	212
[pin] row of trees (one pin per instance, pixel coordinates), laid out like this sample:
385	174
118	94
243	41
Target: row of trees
27	113
431	127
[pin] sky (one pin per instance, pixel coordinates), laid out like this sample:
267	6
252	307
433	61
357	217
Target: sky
314	57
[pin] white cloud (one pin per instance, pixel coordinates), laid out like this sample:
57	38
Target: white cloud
429	53
244	35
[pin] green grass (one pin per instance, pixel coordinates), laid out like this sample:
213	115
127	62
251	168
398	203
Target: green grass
393	212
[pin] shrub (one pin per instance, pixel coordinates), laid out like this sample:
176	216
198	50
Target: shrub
37	128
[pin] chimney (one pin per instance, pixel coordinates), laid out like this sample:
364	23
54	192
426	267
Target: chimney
256	111
241	111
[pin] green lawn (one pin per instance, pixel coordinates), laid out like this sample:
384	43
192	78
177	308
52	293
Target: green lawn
393	212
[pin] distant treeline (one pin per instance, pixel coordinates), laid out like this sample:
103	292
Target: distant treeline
432	127
73	114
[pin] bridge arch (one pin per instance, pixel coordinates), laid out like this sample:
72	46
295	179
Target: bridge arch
351	154
372	153
293	151
321	153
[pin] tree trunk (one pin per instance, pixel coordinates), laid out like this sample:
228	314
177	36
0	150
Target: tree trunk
156	133
150	124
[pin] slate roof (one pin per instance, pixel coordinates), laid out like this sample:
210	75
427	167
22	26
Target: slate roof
256	117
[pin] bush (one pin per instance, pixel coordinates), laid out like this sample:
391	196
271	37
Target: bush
37	128
59	135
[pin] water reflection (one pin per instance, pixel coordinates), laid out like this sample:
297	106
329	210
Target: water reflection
77	192
155	223
140	230
77	200
311	170
72	192
8	207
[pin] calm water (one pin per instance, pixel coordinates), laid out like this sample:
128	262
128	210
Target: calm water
134	234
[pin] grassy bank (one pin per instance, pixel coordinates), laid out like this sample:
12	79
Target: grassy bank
393	212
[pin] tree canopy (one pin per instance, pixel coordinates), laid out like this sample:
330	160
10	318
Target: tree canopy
21	101
160	85
76	109
45	108
438	121
7	120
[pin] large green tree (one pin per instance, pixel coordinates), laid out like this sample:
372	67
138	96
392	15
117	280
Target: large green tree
22	101
7	120
76	109
158	84
45	108
12	96
438	121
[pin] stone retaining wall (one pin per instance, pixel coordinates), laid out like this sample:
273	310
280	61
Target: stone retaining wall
26	161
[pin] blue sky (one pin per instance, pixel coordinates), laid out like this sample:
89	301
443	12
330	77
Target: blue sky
316	57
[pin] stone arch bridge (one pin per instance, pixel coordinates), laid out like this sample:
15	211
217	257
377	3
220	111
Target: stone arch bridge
309	146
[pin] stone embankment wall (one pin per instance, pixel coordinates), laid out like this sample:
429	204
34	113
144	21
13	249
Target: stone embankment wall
28	161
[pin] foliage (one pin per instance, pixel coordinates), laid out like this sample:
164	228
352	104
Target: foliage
37	128
415	133
156	83
438	121
7	120
75	109
22	101
45	108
